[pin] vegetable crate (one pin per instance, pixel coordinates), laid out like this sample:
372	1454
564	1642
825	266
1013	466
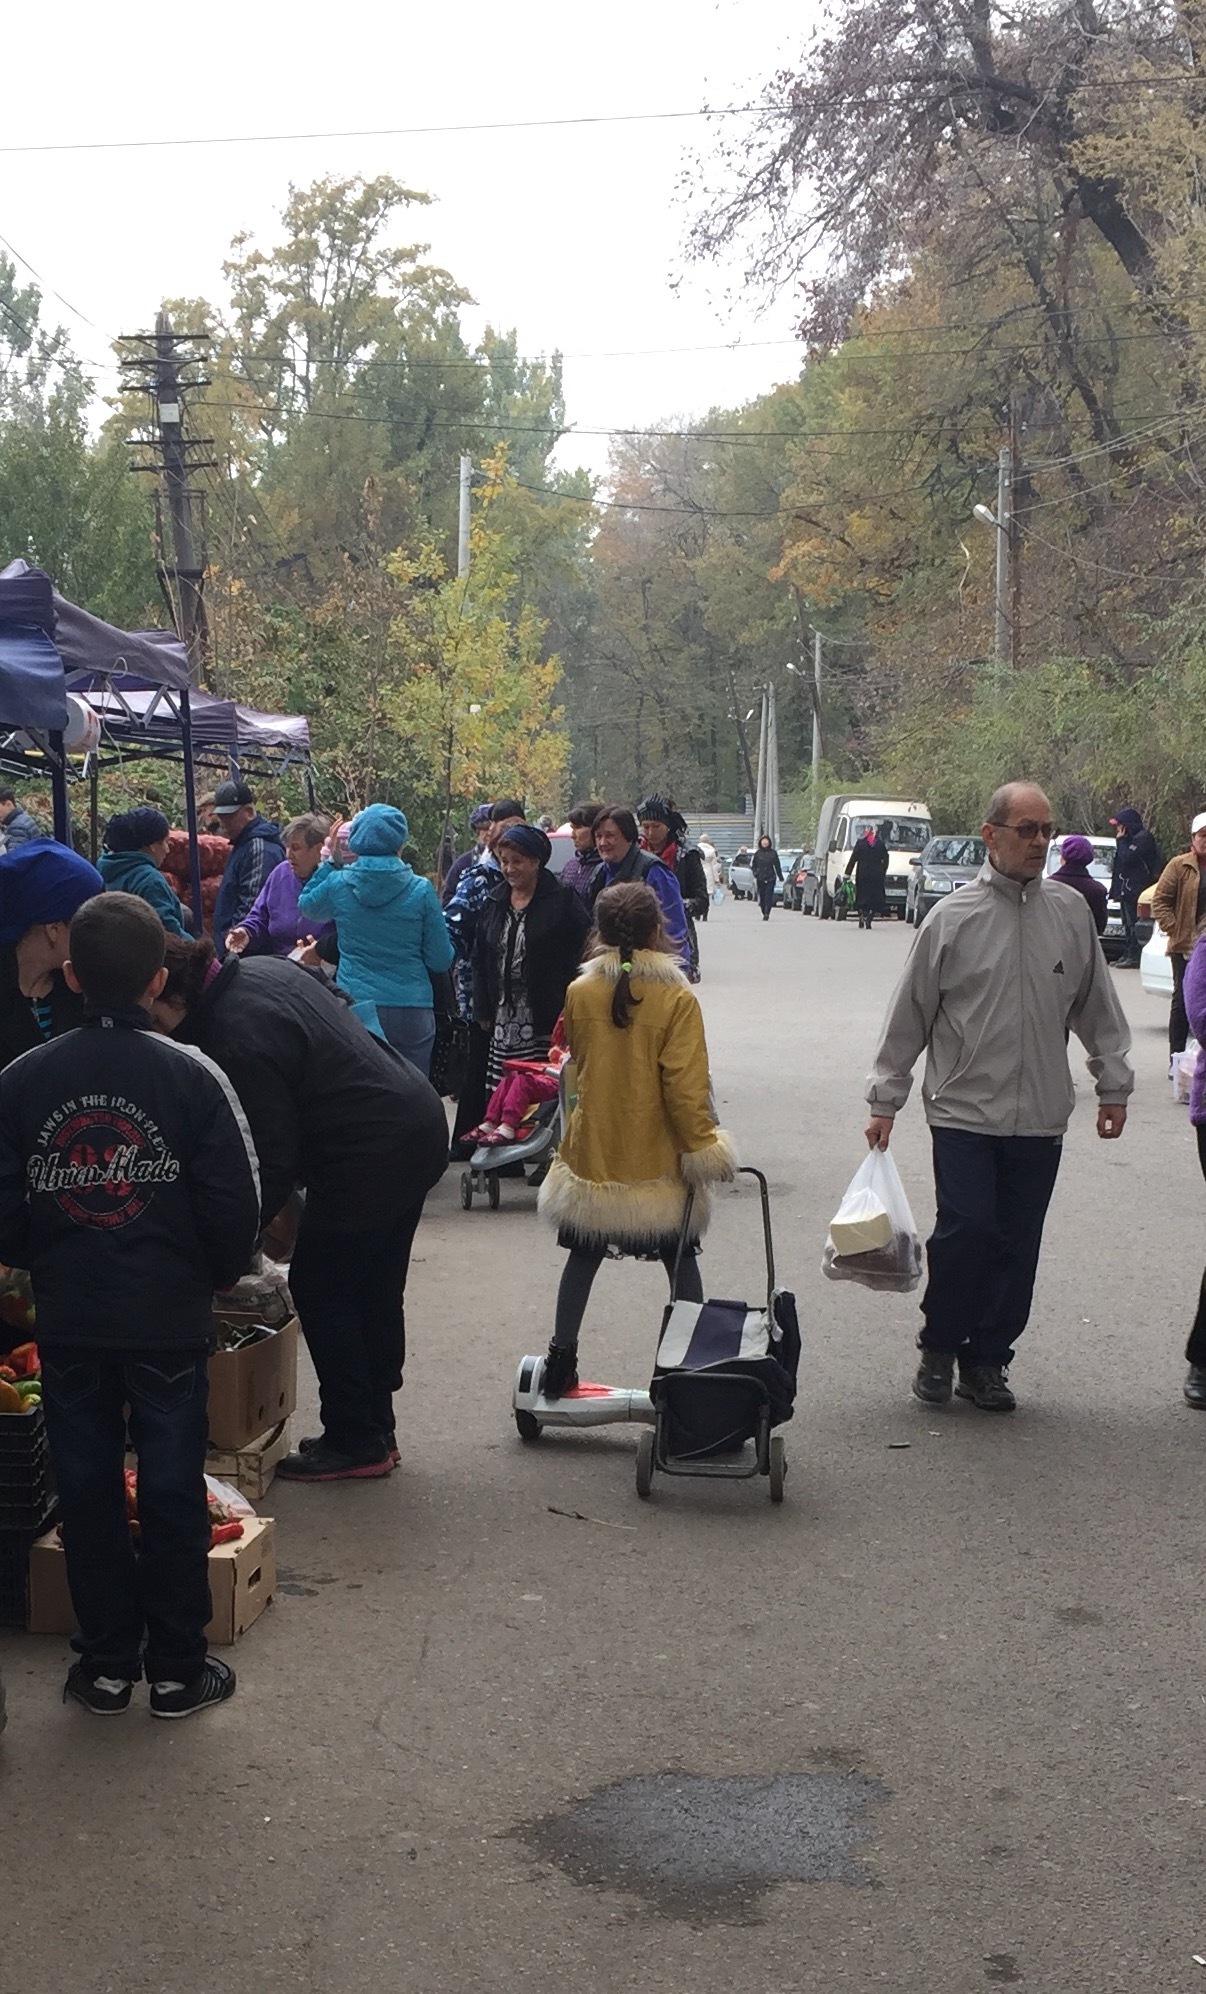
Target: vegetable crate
27	1487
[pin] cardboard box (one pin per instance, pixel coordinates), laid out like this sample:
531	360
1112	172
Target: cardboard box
252	1389
242	1580
251	1469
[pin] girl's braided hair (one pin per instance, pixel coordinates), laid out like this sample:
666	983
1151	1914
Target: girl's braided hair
629	918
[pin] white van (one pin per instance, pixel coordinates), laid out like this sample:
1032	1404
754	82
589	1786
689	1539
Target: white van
841	824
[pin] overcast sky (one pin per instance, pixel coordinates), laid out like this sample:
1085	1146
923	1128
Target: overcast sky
573	236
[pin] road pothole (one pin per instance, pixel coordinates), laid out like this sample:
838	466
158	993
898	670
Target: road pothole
708	1848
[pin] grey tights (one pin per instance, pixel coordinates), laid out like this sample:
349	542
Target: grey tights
578	1279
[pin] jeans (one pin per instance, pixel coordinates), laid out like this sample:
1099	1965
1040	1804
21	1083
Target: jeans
1128	907
1178	1022
160	1590
349	1289
993	1194
410	1029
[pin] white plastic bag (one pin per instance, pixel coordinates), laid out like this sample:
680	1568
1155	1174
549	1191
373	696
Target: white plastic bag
1184	1066
875	1189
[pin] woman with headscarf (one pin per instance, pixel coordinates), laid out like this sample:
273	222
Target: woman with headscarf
664	833
42	885
136	844
869	864
617	841
1076	856
274	926
766	869
391	932
527	948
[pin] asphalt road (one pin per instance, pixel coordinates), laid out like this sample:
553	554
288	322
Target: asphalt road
966	1653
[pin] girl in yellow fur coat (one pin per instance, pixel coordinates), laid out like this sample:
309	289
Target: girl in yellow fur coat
643	1134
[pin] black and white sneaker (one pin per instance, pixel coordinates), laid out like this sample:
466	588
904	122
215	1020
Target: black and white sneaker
215	1684
104	1696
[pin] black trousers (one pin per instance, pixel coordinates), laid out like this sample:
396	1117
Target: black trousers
471	1104
1178	1021
159	1592
766	894
1195	1349
349	1288
993	1194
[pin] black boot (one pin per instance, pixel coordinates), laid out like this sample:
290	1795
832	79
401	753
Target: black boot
560	1371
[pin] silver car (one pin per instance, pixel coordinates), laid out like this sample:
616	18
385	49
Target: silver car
946	864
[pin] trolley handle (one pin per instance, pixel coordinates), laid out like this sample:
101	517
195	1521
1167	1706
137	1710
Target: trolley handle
743	1170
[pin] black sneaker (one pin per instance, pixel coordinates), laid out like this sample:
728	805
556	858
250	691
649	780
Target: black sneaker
104	1696
1194	1387
560	1371
324	1463
987	1386
215	1684
935	1376
309	1441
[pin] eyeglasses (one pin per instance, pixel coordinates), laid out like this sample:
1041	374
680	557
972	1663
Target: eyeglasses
1029	828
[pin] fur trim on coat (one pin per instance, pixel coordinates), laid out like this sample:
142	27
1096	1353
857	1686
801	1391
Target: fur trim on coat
651	965
637	1217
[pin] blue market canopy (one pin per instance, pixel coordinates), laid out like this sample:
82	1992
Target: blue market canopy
86	643
33	688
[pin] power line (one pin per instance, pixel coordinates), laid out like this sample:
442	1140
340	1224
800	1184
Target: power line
1116	86
396	131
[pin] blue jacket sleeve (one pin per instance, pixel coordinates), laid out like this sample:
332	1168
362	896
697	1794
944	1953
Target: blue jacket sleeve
319	895
664	884
438	952
160	896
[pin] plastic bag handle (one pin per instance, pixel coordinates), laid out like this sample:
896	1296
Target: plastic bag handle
743	1170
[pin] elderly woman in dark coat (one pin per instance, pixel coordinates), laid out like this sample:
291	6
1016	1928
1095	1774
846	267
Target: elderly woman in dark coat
529	942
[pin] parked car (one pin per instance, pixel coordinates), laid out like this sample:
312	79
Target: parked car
741	879
1113	939
1155	965
793	885
789	861
946	864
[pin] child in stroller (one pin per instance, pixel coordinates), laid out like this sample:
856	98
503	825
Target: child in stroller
525	1084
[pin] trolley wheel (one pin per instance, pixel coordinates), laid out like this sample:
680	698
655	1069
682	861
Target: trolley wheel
644	1464
466	1191
777	1467
493	1193
528	1428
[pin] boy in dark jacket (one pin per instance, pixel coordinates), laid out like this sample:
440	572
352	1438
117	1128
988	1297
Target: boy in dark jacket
129	1189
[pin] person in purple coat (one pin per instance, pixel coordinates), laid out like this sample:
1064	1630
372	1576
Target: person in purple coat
272	925
1195	1010
1076	856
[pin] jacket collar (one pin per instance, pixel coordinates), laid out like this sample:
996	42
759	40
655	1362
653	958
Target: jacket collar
1017	890
132	1018
649	964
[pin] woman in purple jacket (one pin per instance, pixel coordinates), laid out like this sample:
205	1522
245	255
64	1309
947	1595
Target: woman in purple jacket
1195	1010
273	926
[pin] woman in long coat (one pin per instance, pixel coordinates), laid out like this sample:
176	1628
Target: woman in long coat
869	864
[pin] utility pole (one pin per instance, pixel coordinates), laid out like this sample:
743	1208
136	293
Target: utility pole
817	745
462	537
760	793
1004	524
1015	538
182	578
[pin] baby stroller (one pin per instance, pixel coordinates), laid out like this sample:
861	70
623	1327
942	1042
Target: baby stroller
532	1149
725	1375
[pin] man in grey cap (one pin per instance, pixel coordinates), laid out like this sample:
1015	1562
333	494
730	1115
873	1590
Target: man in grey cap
256	849
998	977
1178	904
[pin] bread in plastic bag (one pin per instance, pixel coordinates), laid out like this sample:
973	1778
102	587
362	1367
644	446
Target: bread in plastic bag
895	1265
1184	1066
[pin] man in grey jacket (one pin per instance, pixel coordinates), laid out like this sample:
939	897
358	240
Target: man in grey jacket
999	975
